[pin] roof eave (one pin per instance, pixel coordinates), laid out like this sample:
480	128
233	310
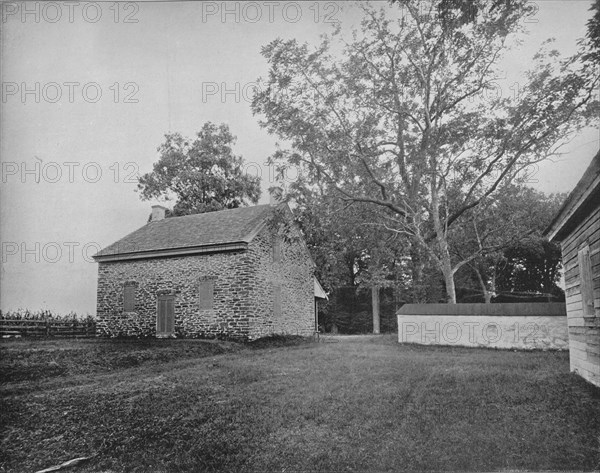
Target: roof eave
168	252
319	291
573	210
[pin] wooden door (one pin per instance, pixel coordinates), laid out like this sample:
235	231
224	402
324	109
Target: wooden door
165	316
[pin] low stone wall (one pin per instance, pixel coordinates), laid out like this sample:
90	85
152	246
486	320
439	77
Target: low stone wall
519	326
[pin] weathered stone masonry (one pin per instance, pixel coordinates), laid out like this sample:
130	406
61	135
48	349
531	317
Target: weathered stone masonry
293	274
245	282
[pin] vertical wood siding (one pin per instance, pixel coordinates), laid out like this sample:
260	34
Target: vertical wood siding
581	263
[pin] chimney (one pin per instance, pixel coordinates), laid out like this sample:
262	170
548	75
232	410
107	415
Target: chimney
158	213
275	196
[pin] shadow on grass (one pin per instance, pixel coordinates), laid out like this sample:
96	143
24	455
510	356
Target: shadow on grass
26	360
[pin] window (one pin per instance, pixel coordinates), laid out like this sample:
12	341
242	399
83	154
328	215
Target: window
276	249
206	289
276	300
129	297
585	280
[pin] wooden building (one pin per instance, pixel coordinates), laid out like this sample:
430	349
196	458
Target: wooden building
577	228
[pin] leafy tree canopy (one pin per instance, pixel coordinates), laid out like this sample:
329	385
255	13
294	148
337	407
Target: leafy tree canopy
513	222
593	35
408	117
201	175
531	267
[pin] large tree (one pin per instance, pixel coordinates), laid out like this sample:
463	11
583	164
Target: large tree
201	174
409	117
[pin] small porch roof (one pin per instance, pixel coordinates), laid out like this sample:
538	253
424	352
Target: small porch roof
319	292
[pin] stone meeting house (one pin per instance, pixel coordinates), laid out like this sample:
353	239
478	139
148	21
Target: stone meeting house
228	273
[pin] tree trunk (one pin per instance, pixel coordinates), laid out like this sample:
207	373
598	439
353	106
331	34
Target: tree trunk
444	260
375	304
486	293
450	287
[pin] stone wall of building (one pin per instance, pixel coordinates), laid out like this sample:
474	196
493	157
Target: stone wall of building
244	291
180	276
292	272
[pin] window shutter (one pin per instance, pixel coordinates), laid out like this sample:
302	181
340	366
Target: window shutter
276	300
129	298
585	281
206	294
162	309
170	312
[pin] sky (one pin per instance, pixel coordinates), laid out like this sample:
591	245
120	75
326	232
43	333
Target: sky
90	88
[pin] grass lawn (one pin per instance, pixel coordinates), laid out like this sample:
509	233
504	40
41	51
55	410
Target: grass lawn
355	404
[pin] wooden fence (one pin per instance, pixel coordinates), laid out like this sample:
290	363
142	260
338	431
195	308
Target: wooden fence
46	328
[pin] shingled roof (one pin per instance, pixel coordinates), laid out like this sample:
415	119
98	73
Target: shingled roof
208	232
